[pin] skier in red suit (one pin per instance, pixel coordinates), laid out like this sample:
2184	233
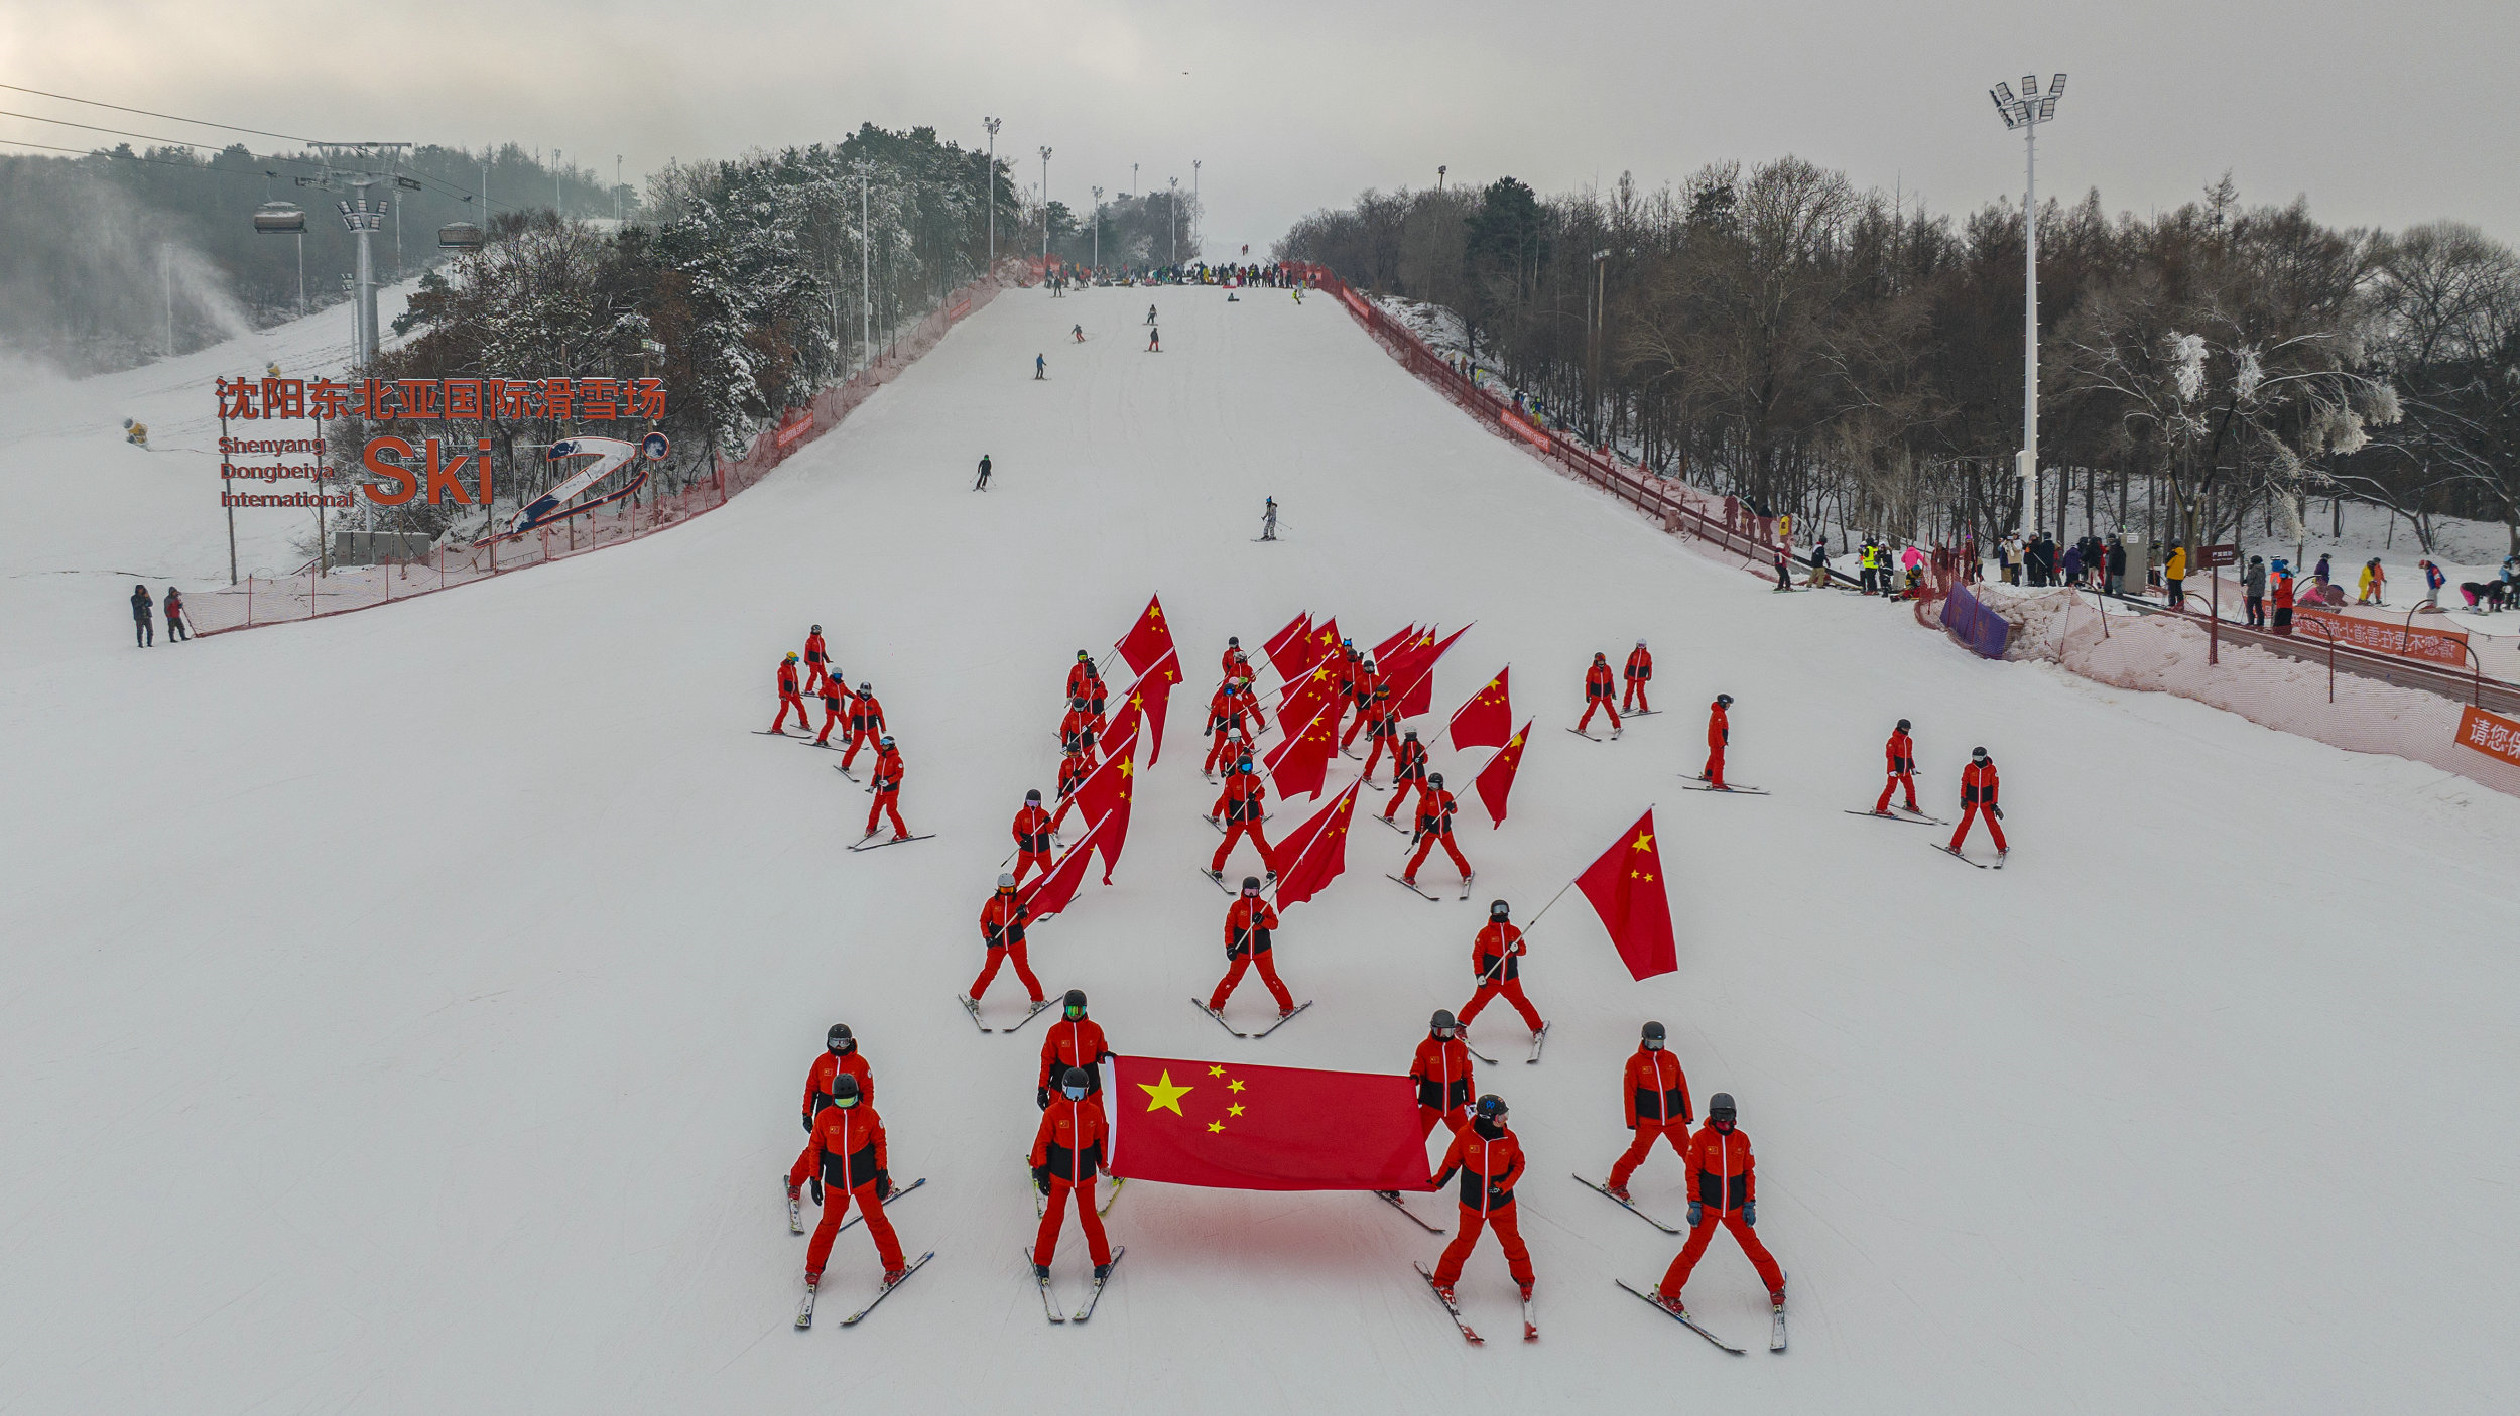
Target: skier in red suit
1233	655
1241	807
866	721
1073	770
845	1156
1640	671
1002	922
1900	755
1489	1161
1718	736
1086	681
1075	1040
1081	727
1978	790
1600	691
840	1058
1435	823
1657	1095
1067	1153
1362	694
887	789
835	697
1408	770
1247	694
1248	923
1032	836
1498	954
817	656
789	697
1444	1075
1726	1194
1230	720
1382	728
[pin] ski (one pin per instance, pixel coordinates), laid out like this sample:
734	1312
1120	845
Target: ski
886	1291
1732	790
1049	1304
1412	888
844	771
1964	860
1095	1296
860	1217
1894	816
1466	882
1217	879
1282	1022
1484	1059
805	1310
796	1218
1219	1016
1776	1329
827	747
1539	1040
1645	713
1031	1012
1579	732
895	841
1531	1328
1449	1307
1392	1198
971	1005
1395	826
1630	1207
769	732
1682	1318
1112	1197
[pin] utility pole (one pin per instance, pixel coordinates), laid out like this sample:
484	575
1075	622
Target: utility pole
1592	338
1098	228
1439	177
992	186
166	276
1172	197
1194	180
2026	112
555	181
363	218
866	254
1045	211
618	210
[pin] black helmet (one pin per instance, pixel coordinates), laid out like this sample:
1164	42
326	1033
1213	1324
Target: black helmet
865	687
1653	1032
1411	735
1903	725
1599	657
1242	764
1492	1106
1498	909
1724	698
1251	884
844	1090
1434	779
1078	1078
1719	1107
817	629
1083	657
840	1039
1233	642
1075	999
1979	753
1077	703
1443	1019
1033	795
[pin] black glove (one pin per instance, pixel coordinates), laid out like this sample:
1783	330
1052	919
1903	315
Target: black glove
1996	811
1750	1214
1041	1097
883	1184
808	1119
1697	1214
815	1185
1041	1178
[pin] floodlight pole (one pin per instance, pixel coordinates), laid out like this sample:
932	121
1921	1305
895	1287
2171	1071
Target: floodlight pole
2027	112
1045	211
992	184
1098	228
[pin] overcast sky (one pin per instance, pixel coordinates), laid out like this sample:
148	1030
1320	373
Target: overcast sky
2380	114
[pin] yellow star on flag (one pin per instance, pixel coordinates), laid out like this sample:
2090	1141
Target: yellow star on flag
1128	766
1235	1110
1229	1086
1517	742
1216	1071
1215	1126
1165	1096
1644	842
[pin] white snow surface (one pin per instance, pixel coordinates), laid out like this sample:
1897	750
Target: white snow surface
408	1011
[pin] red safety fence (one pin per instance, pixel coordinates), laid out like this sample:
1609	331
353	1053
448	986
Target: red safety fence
263	600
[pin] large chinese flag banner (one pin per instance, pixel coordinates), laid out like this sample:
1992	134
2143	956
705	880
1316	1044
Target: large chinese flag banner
1149	640
1238	1126
1626	890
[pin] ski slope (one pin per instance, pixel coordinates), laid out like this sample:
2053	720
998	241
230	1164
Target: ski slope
407	1011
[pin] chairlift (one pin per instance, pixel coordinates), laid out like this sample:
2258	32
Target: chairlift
460	236
280	219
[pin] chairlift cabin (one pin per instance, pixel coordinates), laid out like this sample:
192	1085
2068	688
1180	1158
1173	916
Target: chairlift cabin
280	219
460	236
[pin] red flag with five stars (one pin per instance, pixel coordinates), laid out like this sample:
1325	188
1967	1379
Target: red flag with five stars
1383	650
1482	722
1104	797
1049	894
1497	777
1626	890
1315	853
1149	640
1301	763
1417	672
1287	647
1151	695
1241	1126
1304	695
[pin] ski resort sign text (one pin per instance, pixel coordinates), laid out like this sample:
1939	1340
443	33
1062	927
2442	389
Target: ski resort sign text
435	470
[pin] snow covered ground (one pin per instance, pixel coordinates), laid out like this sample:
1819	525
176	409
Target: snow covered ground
406	1012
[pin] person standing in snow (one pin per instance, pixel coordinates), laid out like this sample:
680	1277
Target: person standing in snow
790	697
1248	924
1435	811
866	722
1150	317
2174	575
835	697
1979	790
840	1057
2375	582
1496	956
1489	1160
1268	519
176	630
983	484
845	1157
887	786
1718	737
1656	1093
1819	577
1726	1195
1443	1074
1154	340
2433	579
1032	836
2116	582
2283	598
1002	922
1240	809
1408	771
1041	367
2253	591
1640	672
144	630
1067	1157
1900	752
1600	691
817	655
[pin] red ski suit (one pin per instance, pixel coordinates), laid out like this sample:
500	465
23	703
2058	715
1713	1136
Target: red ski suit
1657	1108
1233	720
1720	1166
887	786
789	697
1244	802
1718	735
1435	823
1489	1166
1080	728
835	697
1032	841
1248	922
1640	671
1382	727
818	1079
1076	1042
1363	693
1497	955
1002	922
1073	770
1408	773
1444	1076
1067	1152
847	1149
1600	693
816	656
1900	758
1978	788
866	725
1086	682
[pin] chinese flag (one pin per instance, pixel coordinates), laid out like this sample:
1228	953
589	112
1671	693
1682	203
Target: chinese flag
1497	778
1123	730
1287	646
1240	1126
1383	650
1049	894
1304	696
1151	695
1482	721
1317	849
1301	763
1104	797
1149	640
1418	672
1323	643
1626	890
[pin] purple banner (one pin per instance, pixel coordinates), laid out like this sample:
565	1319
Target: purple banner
1974	625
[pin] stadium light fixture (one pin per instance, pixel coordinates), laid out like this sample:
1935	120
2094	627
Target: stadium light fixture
2026	111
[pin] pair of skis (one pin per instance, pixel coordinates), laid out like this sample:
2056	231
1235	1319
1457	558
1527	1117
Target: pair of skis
805	1310
1050	1302
1219	1015
869	843
2000	857
1531	1328
1913	818
1588	737
1412	887
971	1005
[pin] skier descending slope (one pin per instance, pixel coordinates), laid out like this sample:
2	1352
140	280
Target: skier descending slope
846	1157
1248	924
840	1057
1899	753
817	655
1242	805
1074	768
1489	1160
1032	837
835	697
1718	737
1268	519
1725	1194
1640	671
1979	787
887	786
1435	823
1657	1095
1497	954
866	723
1444	1075
983	484
789	697
1002	922
1599	691
1075	1042
1067	1153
